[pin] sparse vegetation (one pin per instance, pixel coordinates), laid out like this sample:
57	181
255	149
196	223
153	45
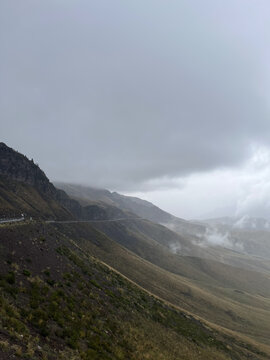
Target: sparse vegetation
89	312
26	272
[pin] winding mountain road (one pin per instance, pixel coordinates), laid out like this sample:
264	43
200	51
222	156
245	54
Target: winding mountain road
88	221
7	221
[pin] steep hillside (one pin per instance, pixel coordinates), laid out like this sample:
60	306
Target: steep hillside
233	298
16	166
26	189
195	238
142	208
227	240
17	198
57	302
254	242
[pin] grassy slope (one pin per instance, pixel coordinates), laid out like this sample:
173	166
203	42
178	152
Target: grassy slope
150	241
230	297
142	208
237	259
17	198
256	243
57	302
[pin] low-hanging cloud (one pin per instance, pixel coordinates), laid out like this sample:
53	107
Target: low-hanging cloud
175	248
122	94
214	237
239	192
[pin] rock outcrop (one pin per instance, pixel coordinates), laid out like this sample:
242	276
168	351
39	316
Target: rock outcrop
15	167
18	167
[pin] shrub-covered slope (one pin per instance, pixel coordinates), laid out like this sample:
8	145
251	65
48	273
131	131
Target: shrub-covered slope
57	302
231	297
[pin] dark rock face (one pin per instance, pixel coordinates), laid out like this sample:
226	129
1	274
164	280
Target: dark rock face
17	167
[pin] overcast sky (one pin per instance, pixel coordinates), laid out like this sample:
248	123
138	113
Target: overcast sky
165	99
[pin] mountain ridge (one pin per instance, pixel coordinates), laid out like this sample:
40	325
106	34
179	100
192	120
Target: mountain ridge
26	174
142	208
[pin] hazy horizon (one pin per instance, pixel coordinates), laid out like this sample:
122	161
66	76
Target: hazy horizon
165	101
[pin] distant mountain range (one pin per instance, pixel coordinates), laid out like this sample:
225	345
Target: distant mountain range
144	209
232	233
240	222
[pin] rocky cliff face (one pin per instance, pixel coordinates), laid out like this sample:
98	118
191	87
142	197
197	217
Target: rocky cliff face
16	166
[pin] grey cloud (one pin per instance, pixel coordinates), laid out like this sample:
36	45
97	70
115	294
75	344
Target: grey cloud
121	94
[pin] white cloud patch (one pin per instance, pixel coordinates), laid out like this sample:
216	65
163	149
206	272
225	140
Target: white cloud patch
175	248
254	186
214	237
241	191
